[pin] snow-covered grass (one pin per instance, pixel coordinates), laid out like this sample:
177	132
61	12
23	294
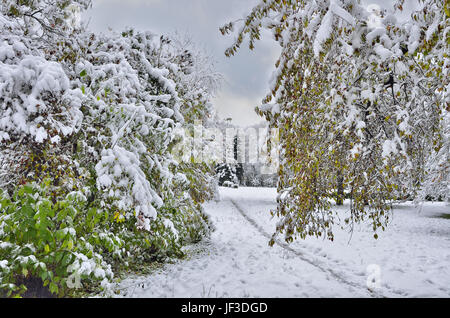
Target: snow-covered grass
412	256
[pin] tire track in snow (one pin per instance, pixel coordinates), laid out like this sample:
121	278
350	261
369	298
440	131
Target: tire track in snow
315	262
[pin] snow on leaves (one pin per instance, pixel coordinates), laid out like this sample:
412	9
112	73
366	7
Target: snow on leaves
35	97
363	100
111	101
96	114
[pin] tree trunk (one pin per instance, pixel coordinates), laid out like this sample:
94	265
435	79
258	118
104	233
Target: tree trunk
340	189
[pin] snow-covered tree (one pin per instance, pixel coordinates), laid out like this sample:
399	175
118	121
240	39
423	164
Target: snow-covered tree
361	101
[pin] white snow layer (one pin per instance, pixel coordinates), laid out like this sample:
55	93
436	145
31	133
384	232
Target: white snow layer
410	259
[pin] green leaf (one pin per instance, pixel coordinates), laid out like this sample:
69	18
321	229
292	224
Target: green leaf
83	73
43	276
53	288
28	189
62	214
28	210
66	259
59	256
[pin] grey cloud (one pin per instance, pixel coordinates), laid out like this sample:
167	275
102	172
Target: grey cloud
246	74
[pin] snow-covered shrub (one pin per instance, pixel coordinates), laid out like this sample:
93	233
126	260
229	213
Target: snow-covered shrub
38	109
64	243
98	113
136	107
226	174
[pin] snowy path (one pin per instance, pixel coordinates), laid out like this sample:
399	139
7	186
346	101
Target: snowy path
413	256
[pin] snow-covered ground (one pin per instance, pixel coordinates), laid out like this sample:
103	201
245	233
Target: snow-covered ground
410	259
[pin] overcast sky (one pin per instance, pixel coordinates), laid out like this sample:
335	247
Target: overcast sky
247	73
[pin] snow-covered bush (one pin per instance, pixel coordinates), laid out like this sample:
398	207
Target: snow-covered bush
98	113
226	173
63	243
253	176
